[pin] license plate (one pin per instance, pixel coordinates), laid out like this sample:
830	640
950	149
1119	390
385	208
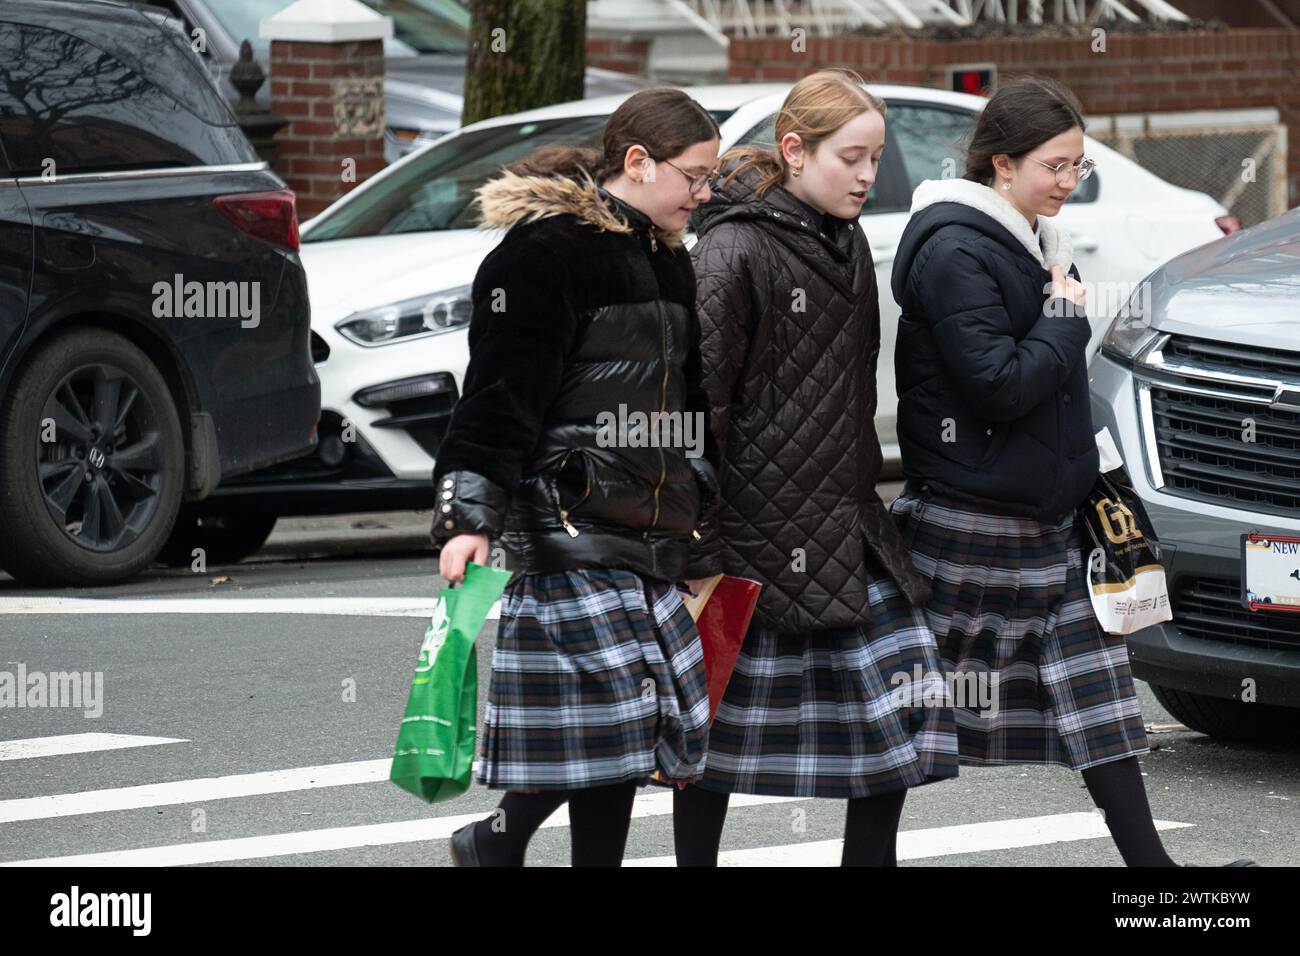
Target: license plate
1270	572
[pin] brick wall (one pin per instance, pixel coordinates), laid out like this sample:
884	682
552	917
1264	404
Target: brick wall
1139	72
626	55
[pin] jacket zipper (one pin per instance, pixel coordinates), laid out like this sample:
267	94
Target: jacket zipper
663	403
555	493
663	399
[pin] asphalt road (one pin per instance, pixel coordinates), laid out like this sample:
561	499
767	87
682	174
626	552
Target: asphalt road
251	711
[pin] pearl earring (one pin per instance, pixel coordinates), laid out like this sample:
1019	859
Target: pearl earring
1006	185
797	170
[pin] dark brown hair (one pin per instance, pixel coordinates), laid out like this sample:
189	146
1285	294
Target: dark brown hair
663	120
1022	115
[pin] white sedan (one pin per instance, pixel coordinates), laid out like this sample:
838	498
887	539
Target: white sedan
389	268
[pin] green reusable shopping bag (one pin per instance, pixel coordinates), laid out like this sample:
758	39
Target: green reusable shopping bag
435	744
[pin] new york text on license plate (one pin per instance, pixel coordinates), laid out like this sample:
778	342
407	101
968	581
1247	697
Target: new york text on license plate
1270	572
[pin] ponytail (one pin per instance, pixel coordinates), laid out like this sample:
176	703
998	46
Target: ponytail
767	161
663	120
556	159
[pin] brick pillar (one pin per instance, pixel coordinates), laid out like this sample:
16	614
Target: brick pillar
327	80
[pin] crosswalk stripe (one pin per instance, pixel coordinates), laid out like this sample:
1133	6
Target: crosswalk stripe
931	842
337	838
31	747
912	844
347	606
193	791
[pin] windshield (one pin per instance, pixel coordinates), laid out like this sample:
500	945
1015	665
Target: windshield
434	190
419	26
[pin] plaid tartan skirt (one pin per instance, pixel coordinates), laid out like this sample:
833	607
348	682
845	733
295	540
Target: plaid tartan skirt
597	678
843	713
1011	612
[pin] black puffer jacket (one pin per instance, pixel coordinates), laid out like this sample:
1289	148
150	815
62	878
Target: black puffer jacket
993	402
583	318
790	326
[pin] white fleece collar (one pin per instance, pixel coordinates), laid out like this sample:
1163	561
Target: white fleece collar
1050	246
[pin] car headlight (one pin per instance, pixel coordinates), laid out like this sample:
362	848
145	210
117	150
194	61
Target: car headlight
432	314
1130	331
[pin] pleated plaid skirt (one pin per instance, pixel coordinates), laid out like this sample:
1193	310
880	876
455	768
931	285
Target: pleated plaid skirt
597	678
1042	681
843	713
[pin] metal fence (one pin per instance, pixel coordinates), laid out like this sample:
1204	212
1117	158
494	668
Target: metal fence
1236	156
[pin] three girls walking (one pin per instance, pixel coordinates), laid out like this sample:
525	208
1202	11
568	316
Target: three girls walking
591	303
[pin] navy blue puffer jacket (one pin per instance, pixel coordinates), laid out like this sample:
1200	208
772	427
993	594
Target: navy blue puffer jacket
992	377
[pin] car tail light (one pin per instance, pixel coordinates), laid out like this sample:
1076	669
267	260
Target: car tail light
1229	224
272	216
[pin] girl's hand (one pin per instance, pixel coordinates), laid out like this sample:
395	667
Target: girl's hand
1067	287
458	552
696	585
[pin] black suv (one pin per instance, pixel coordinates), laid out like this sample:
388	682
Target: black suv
154	321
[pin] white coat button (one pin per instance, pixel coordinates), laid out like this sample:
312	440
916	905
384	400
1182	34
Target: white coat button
449	524
988	431
446	509
446	496
448	483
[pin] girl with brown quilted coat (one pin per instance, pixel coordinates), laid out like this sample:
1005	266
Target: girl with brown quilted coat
836	692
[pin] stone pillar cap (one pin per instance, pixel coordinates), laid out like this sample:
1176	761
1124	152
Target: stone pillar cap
327	21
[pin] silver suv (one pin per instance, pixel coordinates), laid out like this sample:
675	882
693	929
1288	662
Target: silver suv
1198	380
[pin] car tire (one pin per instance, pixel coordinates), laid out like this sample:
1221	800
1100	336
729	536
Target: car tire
1230	719
92	462
223	538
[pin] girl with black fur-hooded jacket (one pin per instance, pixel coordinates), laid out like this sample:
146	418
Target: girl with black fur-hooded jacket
580	445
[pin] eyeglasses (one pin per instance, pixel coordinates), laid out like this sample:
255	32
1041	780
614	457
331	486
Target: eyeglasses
697	182
1082	169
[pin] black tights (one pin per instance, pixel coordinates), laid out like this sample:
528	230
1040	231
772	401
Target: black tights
599	818
1117	789
870	827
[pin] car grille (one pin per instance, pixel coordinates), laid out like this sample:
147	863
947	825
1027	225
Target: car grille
1235	358
1211	609
1198	427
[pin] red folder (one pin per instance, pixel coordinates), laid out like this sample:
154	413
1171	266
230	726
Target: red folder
722	611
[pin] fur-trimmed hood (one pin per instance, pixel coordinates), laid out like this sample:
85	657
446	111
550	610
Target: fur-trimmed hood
511	198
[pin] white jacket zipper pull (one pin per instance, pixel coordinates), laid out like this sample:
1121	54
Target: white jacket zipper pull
564	519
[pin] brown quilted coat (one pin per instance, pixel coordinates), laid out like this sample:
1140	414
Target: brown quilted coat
790	335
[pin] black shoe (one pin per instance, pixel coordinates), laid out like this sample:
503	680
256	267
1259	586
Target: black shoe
1233	863
464	851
